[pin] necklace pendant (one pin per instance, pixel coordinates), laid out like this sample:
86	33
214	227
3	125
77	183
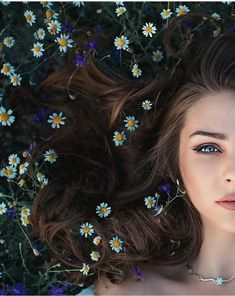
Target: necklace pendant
219	281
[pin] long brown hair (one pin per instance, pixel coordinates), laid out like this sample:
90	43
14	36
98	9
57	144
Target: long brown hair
90	169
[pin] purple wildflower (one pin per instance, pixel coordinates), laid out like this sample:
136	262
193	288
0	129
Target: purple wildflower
165	187
56	290
80	60
91	44
19	289
68	27
12	212
138	272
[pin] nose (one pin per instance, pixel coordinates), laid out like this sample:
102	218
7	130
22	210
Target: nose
230	171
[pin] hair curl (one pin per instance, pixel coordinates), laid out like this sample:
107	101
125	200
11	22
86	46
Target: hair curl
91	170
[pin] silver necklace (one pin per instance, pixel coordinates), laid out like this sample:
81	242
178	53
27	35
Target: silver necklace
218	280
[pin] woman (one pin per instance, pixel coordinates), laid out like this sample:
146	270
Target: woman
134	194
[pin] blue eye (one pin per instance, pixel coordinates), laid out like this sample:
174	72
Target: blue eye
199	149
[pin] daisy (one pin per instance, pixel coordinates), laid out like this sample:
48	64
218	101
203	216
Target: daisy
9	172
120	10
40	177
25	212
86	229
40	34
15	79
54	27
50	156
51	14
3	208
95	255
116	244
9	41
119	3
23	167
157	55
44	182
131	123
85	269
37	49
147	105
97	240
46	3
78	3
5	119
149	29
5	3
56	120
136	71
13	159
166	13
30	17
103	210
216	16
150	201
121	43
182	9
64	42
7	69
25	221
119	138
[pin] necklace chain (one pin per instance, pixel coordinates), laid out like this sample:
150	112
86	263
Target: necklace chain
218	280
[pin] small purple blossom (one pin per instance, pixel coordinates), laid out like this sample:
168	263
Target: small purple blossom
68	27
19	289
12	212
56	290
165	187
40	115
91	45
148	8
80	60
138	272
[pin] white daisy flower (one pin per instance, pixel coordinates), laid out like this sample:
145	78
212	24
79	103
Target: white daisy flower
37	49
97	240
9	41
120	10
85	269
95	255
40	177
24	221
78	3
147	105
150	201
9	172
54	27
103	210
56	120
50	156
5	3
116	244
157	55
216	16
64	42
149	29
182	9
5	117
226	2
25	212
44	182
119	138
7	69
46	4
15	79
23	167
166	13
40	34
30	17
119	3
3	208
86	229
136	71
131	123
13	159
50	13
121	43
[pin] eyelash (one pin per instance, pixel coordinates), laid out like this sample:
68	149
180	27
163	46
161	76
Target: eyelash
208	145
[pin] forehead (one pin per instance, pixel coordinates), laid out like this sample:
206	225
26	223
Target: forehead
214	112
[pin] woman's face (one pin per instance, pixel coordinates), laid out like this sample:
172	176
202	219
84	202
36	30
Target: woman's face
210	176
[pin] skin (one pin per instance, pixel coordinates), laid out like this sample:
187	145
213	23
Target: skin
209	177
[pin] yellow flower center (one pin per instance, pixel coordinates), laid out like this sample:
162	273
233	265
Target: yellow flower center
21	166
9	172
148	29
6	68
150	202
119	137
116	243
8	41
86	229
49	13
4	117
24	212
121	42
63	42
1	46
37	48
182	11
103	210
131	123
28	18
56	119
166	13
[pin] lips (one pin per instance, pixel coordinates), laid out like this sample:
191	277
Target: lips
229	205
228	198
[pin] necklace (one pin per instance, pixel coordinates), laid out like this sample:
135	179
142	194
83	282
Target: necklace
218	280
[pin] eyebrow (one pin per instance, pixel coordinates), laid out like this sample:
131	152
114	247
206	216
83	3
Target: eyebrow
208	134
